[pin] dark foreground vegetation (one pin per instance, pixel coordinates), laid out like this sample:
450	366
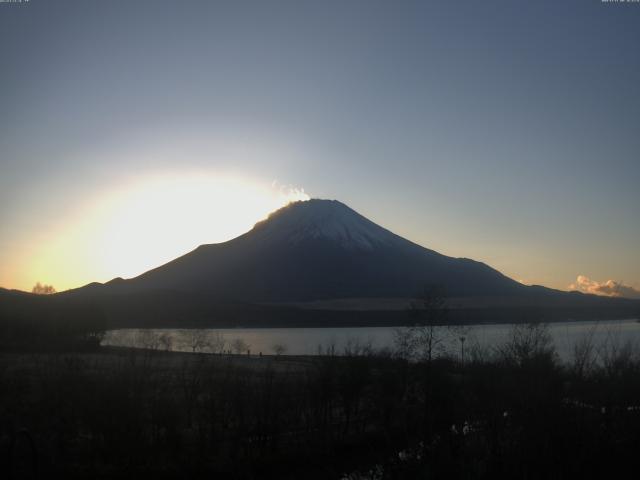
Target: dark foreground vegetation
511	412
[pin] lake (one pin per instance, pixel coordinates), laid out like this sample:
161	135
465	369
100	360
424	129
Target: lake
308	341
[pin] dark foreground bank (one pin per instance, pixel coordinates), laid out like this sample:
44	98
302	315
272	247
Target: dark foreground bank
511	412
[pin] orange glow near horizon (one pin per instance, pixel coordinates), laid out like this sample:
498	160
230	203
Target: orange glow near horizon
148	223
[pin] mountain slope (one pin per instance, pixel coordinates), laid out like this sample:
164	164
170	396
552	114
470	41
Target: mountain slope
319	249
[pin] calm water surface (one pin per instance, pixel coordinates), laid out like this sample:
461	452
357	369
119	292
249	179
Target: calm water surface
308	341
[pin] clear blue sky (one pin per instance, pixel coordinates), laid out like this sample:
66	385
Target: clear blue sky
504	131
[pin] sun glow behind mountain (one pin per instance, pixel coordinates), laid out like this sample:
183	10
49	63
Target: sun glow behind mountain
151	221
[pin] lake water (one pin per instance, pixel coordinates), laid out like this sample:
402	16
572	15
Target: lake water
308	341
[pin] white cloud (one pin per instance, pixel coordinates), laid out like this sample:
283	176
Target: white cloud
610	288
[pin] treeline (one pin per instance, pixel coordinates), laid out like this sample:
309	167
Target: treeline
172	309
509	412
49	323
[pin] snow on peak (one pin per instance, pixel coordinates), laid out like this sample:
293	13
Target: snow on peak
324	219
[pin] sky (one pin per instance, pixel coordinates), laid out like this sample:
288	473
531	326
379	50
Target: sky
504	131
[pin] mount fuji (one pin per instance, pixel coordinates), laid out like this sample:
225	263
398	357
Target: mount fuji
320	263
317	250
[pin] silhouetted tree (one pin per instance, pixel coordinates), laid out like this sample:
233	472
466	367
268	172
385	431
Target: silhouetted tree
526	343
41	289
197	340
166	340
239	346
424	338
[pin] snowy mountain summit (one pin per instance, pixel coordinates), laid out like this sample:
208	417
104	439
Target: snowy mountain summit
324	220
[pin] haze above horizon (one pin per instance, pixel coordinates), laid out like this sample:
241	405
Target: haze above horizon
132	132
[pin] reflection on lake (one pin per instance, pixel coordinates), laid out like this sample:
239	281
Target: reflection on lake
308	341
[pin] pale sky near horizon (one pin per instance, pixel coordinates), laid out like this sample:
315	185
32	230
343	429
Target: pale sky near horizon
503	131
